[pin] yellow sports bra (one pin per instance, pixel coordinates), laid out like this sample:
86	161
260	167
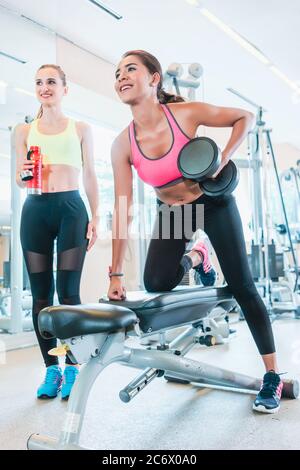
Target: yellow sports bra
57	149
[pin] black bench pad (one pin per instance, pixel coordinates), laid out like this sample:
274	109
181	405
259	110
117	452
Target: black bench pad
153	311
162	310
66	321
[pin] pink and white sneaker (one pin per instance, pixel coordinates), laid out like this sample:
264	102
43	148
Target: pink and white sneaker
204	272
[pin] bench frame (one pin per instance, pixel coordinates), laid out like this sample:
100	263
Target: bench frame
100	350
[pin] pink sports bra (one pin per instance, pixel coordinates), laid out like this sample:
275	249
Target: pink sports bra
163	170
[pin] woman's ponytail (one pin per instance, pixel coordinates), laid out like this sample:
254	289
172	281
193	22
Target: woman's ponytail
164	97
40	112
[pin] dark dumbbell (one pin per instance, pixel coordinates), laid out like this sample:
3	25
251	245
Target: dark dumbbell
224	184
200	159
281	229
207	340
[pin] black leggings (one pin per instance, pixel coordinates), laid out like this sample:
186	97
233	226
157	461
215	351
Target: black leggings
222	224
53	216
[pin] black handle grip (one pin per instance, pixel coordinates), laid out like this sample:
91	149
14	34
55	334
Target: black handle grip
29	153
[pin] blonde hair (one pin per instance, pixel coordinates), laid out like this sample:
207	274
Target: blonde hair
62	76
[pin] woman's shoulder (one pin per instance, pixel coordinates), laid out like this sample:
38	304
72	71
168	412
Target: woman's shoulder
186	110
181	106
122	138
81	125
83	128
121	145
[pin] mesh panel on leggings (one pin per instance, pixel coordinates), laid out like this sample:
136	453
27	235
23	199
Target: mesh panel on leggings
71	260
37	262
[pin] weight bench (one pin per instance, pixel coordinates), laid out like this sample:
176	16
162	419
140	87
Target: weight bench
95	335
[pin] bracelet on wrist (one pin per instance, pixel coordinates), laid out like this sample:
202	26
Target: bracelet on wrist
111	273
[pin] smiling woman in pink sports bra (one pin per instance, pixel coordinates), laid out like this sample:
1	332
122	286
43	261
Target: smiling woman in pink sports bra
161	126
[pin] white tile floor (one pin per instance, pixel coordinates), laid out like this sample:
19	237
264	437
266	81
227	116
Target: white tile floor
164	415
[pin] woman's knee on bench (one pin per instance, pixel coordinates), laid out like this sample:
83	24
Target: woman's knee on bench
157	283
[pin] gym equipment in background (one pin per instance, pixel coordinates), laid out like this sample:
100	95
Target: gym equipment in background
280	295
293	174
290	183
6	301
5	309
191	83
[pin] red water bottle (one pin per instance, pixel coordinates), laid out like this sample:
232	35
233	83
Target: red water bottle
34	183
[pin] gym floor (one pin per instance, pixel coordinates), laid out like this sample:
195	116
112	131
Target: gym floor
164	415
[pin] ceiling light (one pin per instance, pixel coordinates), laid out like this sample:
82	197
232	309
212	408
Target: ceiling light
58	35
25	92
195	3
251	48
236	36
283	77
37	23
8	56
106	9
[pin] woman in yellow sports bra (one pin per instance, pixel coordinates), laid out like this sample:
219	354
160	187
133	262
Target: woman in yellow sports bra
59	214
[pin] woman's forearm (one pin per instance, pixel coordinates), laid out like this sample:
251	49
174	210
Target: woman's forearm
92	192
240	130
118	254
120	232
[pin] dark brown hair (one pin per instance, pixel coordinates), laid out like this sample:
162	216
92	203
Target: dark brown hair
154	66
62	76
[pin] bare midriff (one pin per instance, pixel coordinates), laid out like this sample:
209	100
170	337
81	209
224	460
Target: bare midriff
184	192
58	178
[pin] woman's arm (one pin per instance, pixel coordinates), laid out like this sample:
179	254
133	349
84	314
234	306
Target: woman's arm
90	182
21	153
216	116
120	157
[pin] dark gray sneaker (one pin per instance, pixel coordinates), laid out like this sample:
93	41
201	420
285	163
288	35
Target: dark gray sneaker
268	398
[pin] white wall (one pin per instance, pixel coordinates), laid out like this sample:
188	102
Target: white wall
92	86
85	68
26	41
286	155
